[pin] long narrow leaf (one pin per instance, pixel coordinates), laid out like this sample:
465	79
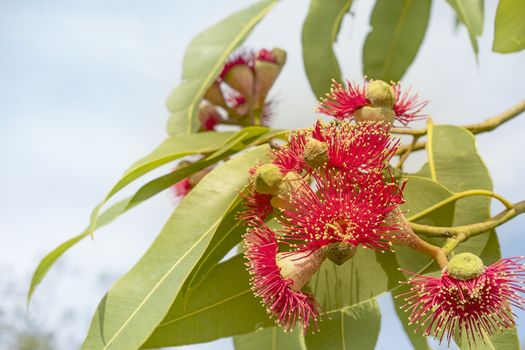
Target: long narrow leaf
203	61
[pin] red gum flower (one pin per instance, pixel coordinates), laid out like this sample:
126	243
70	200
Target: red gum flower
340	212
288	306
407	106
256	205
241	57
266	56
357	149
182	187
291	157
477	306
342	102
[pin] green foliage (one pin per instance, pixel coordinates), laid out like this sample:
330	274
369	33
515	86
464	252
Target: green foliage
222	305
136	304
203	61
270	338
509	26
182	292
470	13
398	29
320	62
434	192
455	163
356	327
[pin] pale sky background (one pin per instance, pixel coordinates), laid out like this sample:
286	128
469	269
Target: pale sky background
82	96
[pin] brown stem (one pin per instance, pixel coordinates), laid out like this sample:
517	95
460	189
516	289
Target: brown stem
462	233
477	128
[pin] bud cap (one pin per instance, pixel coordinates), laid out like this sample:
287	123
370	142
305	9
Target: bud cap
465	266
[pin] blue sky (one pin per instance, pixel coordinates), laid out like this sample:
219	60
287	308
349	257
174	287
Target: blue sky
82	96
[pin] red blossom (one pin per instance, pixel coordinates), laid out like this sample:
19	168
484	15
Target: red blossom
478	306
288	306
256	205
291	156
342	102
338	211
241	57
235	100
407	106
182	187
358	149
266	56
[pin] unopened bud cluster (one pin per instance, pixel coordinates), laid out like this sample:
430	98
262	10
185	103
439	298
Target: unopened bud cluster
239	95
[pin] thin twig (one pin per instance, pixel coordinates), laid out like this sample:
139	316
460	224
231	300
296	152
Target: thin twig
462	233
477	128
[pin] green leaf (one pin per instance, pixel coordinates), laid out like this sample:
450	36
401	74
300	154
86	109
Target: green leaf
137	303
470	13
170	149
419	342
507	340
421	193
228	235
237	141
455	163
356	327
398	29
222	305
362	278
509	26
273	338
320	30
203	61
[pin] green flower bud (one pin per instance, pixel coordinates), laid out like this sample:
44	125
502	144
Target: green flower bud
241	78
280	56
465	266
268	177
265	75
289	184
374	114
214	95
315	153
339	252
380	94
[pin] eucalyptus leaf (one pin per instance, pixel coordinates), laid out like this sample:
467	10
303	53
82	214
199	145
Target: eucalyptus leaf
222	305
138	302
362	278
470	13
455	163
203	61
272	338
113	212
353	328
509	26
169	150
421	193
506	340
320	31
398	29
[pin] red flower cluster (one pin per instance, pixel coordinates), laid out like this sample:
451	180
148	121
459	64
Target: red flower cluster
474	307
351	196
239	94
